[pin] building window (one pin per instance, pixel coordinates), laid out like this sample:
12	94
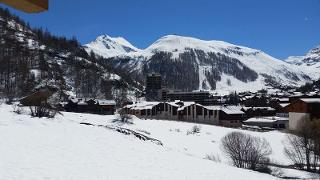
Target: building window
215	114
199	111
174	111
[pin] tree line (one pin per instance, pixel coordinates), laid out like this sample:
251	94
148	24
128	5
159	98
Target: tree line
33	58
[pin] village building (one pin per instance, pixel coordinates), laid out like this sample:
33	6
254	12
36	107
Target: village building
258	111
201	97
153	87
37	98
90	105
303	109
229	116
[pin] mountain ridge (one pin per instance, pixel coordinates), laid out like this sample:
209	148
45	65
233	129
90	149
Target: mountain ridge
213	63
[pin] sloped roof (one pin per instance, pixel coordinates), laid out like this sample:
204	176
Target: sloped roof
310	100
142	105
232	109
28	6
258	108
266	119
106	102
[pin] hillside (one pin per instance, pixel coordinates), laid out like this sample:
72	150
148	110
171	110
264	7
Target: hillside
191	64
61	148
34	58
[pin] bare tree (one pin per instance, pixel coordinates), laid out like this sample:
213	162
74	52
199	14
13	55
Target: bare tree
246	151
303	146
121	98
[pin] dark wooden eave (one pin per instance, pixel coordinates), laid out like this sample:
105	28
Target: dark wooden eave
28	6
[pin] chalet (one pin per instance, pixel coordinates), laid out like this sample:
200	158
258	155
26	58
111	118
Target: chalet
36	98
303	109
258	111
142	109
107	107
268	122
95	106
231	116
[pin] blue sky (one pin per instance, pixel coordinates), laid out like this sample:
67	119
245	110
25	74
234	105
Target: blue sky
278	27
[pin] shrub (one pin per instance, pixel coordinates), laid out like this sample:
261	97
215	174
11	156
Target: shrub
123	115
246	151
194	130
43	110
214	158
17	109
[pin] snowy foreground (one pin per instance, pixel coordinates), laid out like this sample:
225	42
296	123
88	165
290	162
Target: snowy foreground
62	148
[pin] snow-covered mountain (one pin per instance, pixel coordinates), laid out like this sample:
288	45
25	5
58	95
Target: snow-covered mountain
311	59
191	64
107	46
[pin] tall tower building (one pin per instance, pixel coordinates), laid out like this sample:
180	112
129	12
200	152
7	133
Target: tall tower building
153	87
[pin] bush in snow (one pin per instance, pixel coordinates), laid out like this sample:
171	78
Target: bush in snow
212	157
276	171
123	116
246	151
43	110
17	109
194	130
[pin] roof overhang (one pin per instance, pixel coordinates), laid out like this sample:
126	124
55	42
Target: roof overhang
28	6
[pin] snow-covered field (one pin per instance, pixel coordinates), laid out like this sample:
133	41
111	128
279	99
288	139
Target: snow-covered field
62	148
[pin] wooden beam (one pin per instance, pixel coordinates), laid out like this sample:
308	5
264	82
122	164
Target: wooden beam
28	6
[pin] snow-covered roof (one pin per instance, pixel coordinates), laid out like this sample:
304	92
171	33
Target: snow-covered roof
213	107
142	105
82	103
185	104
297	94
173	103
258	108
232	109
284	104
106	102
271	119
310	100
284	99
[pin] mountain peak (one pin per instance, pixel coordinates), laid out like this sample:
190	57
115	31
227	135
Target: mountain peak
108	46
315	50
312	58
